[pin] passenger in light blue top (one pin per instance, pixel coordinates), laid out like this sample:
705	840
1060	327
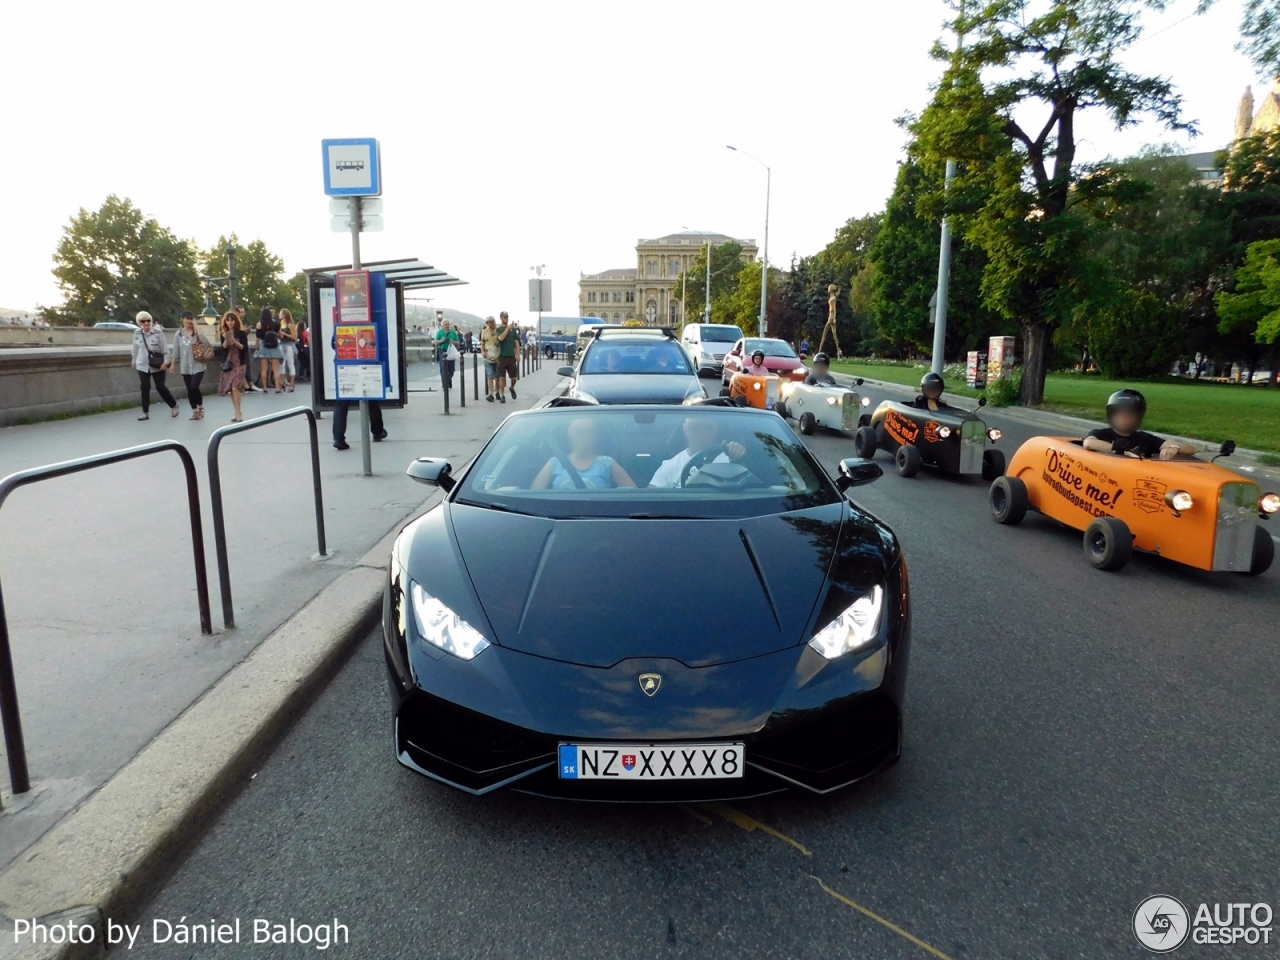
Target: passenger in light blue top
590	469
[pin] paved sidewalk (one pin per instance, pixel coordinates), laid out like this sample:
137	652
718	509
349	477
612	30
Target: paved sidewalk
98	579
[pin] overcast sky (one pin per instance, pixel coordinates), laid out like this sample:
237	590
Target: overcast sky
512	134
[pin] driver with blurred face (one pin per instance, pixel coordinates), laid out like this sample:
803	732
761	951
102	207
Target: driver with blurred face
1125	410
699	434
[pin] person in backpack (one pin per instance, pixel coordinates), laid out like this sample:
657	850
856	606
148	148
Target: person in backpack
151	358
269	349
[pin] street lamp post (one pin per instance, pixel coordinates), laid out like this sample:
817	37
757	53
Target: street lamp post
764	270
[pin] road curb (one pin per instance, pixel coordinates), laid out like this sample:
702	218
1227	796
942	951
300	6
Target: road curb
108	857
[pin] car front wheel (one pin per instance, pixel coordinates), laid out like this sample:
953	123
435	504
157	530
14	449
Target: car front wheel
1108	544
1264	551
864	442
807	423
907	460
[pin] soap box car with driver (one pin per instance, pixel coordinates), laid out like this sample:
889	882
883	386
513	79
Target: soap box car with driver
760	392
948	438
821	405
1188	510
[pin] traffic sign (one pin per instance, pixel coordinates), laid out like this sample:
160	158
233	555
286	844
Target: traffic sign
339	206
368	224
539	295
352	167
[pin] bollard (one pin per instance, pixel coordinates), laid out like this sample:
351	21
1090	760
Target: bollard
462	383
475	374
444	390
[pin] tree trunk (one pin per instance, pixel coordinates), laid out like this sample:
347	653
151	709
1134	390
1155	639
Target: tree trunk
1036	344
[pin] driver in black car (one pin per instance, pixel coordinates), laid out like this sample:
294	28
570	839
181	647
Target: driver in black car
930	398
820	375
1125	410
700	433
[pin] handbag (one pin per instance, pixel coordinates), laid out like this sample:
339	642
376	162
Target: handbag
202	351
227	366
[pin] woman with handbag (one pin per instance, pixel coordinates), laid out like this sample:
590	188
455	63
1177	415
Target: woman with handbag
289	347
190	352
232	381
268	334
151	359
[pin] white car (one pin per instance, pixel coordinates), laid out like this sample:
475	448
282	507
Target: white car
811	406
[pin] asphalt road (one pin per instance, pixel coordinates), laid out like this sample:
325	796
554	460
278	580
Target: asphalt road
1076	742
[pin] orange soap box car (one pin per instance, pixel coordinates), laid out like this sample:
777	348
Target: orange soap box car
1187	509
760	392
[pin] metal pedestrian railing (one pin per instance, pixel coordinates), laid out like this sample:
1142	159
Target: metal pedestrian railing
19	777
215	495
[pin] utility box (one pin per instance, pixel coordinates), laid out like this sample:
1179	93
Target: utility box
1002	357
975	370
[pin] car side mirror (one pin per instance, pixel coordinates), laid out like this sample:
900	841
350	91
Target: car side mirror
566	372
856	472
435	471
982	401
859	381
1228	448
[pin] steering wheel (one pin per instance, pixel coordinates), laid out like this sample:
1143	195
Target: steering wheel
701	459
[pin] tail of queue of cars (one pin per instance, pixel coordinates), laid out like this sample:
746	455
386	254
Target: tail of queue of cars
708	343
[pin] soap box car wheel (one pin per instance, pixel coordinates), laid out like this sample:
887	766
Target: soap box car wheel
1108	544
864	442
1008	500
724	391
780	408
864	420
1264	551
807	423
993	464
907	460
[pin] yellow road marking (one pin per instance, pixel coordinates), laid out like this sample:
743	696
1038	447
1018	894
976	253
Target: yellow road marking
881	920
696	814
746	823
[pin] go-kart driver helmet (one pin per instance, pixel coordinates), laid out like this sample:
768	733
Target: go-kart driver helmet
821	358
757	356
1126	399
932	385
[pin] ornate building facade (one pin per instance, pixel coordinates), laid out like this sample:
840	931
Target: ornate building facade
650	291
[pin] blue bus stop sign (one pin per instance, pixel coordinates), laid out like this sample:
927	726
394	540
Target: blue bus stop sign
352	167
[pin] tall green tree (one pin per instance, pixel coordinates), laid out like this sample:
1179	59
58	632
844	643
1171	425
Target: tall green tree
726	265
1018	184
905	255
117	251
1252	309
260	278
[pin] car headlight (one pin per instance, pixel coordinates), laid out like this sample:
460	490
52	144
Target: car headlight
1179	499
857	627
1270	503
443	628
994	433
788	389
866	401
944	432
832	401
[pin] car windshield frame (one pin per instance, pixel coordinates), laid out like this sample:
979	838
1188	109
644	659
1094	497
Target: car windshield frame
770	347
621	344
702	333
539	437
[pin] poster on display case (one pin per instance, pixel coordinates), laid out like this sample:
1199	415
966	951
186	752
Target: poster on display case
384	350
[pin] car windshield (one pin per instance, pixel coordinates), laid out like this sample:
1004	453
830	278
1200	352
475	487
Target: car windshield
717	333
771	348
689	462
647	356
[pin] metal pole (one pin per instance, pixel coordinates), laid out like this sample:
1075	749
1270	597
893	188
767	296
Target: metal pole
944	279
462	381
14	745
366	448
475	375
764	271
231	277
706	307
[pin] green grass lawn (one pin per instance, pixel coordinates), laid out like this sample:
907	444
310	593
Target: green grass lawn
1207	411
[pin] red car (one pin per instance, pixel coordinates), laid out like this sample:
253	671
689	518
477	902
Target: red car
779	358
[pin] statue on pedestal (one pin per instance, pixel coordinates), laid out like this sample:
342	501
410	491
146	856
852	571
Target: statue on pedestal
833	292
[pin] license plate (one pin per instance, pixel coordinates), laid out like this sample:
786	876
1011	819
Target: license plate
670	761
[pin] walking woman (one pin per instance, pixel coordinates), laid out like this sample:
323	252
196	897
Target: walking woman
289	346
186	345
151	359
232	381
268	333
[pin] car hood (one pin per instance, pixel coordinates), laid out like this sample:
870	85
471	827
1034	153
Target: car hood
638	387
595	592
